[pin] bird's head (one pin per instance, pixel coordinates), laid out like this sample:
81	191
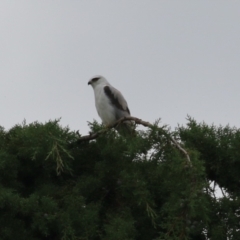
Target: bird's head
97	80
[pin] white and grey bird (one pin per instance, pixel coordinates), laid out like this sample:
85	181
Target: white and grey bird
109	102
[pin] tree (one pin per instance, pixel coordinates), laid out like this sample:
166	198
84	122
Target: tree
53	185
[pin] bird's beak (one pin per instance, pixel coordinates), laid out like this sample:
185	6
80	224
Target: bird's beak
89	83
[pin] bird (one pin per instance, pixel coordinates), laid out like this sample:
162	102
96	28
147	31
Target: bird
110	103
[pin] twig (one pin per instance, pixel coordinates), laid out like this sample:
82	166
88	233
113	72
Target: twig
214	186
92	136
223	192
182	150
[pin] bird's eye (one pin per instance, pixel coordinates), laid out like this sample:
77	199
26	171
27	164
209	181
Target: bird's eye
95	79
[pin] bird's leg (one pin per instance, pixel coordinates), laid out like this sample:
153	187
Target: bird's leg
108	126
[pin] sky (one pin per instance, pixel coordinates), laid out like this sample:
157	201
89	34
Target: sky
169	58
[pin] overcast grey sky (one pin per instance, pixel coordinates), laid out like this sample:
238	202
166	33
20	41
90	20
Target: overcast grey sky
168	58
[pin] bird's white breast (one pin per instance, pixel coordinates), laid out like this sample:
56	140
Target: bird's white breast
104	108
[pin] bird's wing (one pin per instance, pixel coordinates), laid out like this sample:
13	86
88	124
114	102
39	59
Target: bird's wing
116	99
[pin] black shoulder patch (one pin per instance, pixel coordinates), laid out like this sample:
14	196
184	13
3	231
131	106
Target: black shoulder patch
113	99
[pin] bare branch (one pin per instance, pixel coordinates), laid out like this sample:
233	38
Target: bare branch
181	149
224	195
95	135
91	136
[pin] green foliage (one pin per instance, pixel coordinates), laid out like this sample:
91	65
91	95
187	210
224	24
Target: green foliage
118	187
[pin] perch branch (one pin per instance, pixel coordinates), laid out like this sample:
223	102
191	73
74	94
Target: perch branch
92	136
